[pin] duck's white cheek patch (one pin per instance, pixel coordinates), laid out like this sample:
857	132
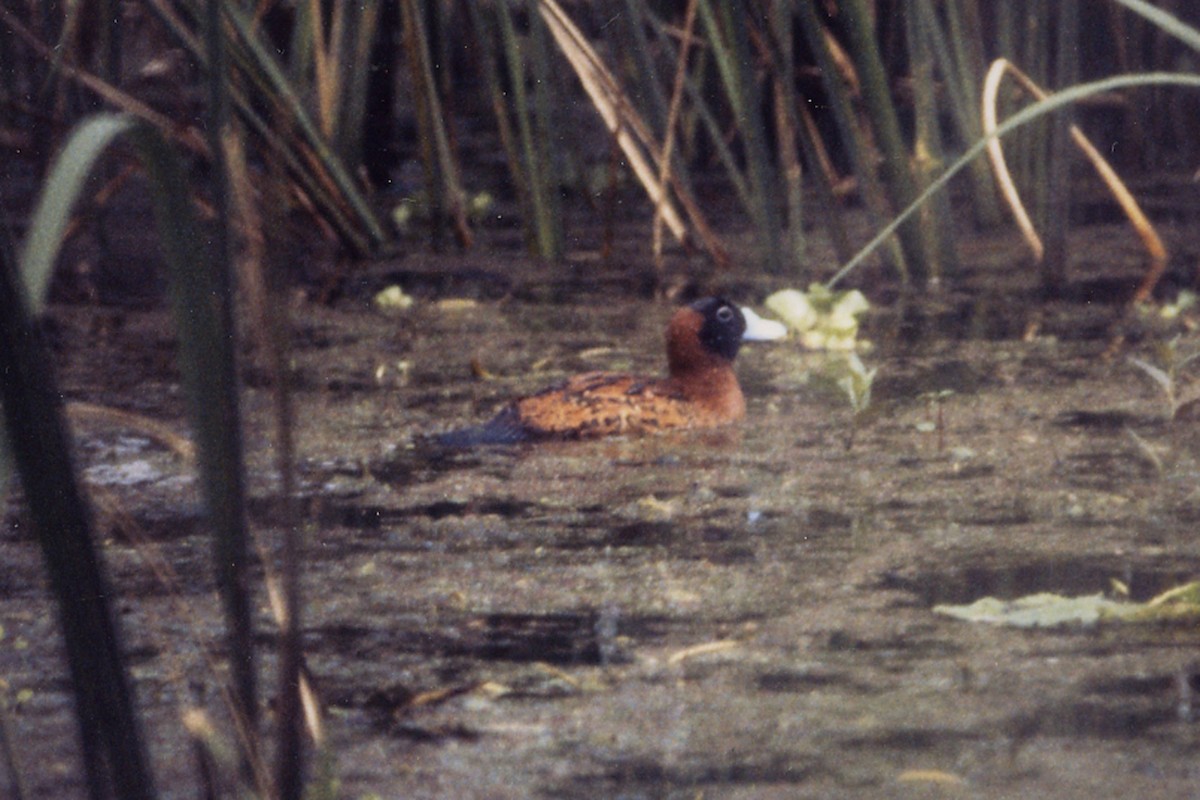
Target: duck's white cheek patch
761	330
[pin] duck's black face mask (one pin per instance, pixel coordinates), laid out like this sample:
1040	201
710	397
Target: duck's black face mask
723	326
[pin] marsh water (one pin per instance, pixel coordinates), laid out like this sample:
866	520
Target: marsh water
745	613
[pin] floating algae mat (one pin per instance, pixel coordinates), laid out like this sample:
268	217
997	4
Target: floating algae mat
1048	610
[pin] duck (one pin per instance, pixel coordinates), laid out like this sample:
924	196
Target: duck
700	389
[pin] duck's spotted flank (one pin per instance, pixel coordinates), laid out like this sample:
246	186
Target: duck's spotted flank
700	390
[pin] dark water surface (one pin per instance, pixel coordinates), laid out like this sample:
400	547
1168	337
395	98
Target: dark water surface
740	614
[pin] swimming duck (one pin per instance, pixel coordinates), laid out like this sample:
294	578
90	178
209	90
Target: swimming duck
700	390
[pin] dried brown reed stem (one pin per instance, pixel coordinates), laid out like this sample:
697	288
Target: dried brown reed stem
1154	246
668	147
631	132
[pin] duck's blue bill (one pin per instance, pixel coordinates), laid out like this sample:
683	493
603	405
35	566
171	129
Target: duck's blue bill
761	330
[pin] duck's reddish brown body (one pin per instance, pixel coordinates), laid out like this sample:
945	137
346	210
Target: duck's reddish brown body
700	390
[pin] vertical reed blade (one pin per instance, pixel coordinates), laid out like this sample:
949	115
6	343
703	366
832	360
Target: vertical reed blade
854	138
114	756
918	240
540	184
630	131
442	173
728	36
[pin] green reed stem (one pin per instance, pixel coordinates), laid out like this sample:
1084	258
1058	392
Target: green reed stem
917	239
485	36
547	134
788	127
544	224
281	89
1018	120
220	433
114	757
1060	151
632	39
928	150
303	164
728	37
956	47
861	153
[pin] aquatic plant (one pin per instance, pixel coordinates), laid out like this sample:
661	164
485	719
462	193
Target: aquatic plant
1169	374
856	382
1052	610
823	318
935	402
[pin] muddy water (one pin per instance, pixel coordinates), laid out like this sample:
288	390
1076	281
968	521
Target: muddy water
745	613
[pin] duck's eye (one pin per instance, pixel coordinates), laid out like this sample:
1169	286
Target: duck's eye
724	314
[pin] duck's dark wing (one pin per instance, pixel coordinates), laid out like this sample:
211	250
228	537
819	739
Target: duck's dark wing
504	428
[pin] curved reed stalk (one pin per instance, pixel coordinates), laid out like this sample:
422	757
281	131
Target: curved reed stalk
1141	223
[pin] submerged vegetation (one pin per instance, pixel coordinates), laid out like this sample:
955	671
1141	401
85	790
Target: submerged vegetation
346	132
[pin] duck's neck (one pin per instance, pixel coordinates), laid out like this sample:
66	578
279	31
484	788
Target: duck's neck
713	388
703	377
